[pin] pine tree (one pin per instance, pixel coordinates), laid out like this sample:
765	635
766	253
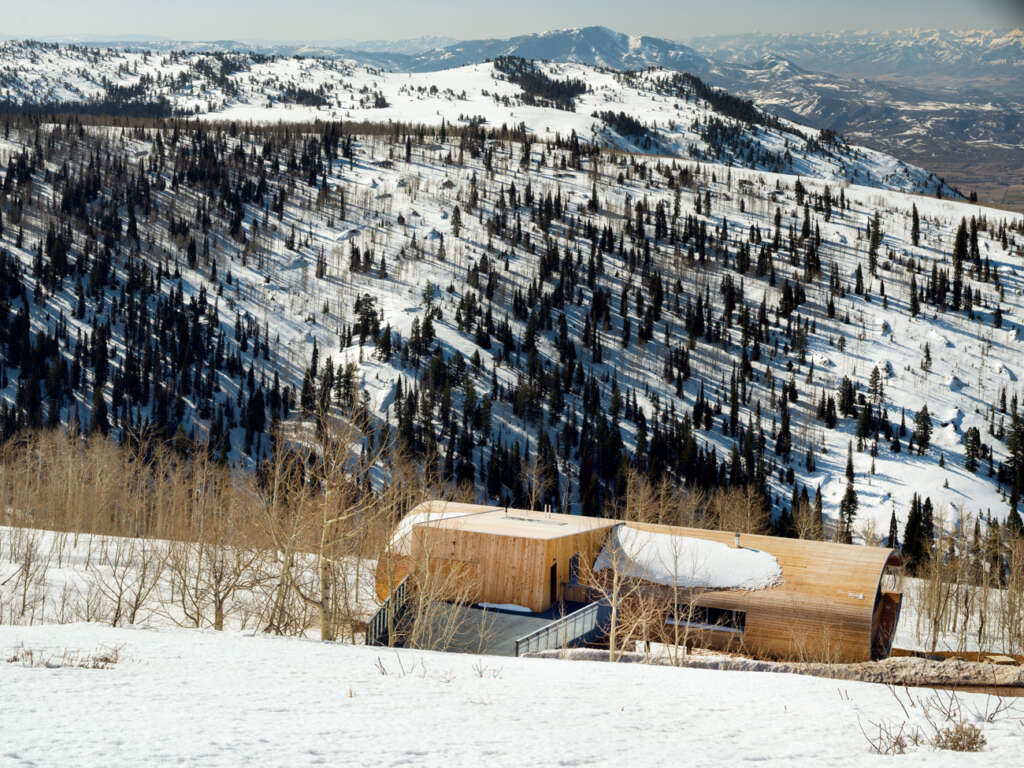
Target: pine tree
784	440
912	547
972	449
1014	524
927	529
456	221
846	398
863	426
819	514
734	406
848	512
959	255
100	423
922	430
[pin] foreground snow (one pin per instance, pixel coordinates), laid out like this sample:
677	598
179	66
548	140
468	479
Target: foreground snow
208	698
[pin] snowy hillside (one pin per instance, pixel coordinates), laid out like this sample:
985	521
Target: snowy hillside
181	696
673	115
673	324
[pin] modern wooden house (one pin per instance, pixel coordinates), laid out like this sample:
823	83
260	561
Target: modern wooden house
826	602
504	556
830	603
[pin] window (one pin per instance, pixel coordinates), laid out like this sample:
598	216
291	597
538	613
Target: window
714	619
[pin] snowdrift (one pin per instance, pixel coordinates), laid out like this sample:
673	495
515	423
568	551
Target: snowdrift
687	562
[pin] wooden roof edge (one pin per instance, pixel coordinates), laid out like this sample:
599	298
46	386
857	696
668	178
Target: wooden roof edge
428	506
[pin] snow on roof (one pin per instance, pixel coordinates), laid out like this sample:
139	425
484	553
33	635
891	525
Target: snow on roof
402	538
686	561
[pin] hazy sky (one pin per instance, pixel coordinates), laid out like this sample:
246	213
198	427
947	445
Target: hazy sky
465	19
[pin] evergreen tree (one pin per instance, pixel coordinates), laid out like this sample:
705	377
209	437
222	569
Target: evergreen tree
912	540
922	430
456	221
784	440
848	512
819	515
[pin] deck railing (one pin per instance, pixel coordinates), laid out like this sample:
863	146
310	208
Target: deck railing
384	621
587	624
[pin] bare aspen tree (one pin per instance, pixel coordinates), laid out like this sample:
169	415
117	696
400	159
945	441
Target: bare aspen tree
315	498
610	578
538	483
125	573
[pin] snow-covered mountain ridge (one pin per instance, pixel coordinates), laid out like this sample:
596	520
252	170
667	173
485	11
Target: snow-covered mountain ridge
671	114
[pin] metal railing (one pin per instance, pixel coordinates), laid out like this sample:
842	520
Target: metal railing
588	624
380	626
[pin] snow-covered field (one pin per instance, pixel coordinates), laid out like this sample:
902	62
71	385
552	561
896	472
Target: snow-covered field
204	698
61	578
71	579
179	695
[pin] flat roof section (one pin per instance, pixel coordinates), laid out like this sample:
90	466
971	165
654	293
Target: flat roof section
520	523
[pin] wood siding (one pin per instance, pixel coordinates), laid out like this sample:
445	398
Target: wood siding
823	609
513	569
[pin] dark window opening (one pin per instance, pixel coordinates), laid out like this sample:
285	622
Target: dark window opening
703	617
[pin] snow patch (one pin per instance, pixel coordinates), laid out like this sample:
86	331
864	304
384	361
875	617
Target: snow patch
504	607
939	339
402	539
686	561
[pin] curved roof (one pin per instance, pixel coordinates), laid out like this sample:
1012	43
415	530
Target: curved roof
826	588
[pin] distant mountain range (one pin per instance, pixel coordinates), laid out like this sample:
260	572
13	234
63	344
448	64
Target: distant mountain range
962	54
900	54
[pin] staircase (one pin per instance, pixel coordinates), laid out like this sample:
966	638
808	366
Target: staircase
379	629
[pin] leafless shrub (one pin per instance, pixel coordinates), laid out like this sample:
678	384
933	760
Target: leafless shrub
995	707
482	670
28	581
186	539
418	668
947	727
102	658
886	738
960	737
